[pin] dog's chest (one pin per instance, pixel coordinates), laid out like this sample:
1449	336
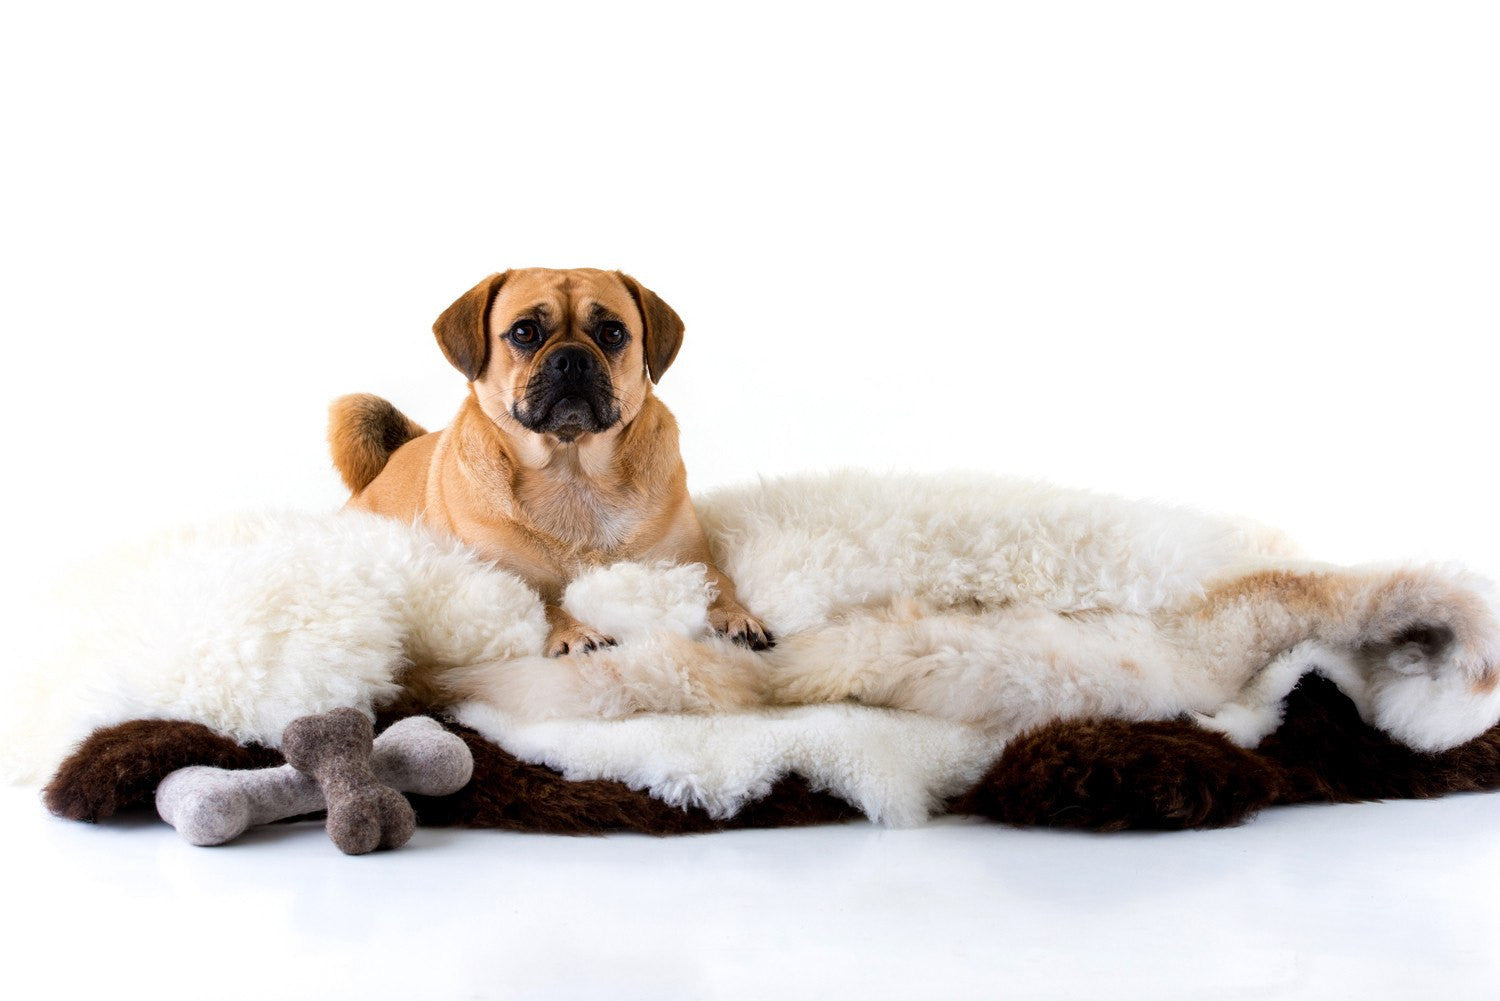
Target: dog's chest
573	508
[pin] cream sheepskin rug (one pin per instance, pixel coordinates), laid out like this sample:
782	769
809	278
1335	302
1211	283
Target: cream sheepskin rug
897	767
959	611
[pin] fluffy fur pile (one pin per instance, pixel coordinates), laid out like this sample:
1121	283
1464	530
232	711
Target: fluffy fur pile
983	607
247	624
1103	775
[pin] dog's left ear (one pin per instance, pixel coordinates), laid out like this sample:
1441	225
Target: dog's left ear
463	330
663	334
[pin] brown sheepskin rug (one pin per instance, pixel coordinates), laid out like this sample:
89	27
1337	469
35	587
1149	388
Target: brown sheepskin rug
1102	775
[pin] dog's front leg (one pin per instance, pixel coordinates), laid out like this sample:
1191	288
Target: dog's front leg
566	635
729	617
681	540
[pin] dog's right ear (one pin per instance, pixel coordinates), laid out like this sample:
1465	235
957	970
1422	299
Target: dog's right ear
463	331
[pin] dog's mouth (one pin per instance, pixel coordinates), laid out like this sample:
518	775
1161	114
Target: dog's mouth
567	411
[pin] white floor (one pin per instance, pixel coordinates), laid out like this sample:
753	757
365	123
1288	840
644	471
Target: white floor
1369	901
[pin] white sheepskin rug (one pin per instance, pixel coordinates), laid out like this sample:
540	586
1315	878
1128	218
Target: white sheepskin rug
897	767
922	621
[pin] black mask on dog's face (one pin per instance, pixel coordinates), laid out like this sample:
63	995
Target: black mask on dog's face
569	394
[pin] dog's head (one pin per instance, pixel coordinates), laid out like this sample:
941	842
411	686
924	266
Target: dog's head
562	353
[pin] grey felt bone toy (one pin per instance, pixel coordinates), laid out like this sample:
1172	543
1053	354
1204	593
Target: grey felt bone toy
333	764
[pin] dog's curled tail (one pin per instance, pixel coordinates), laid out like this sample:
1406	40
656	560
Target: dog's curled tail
363	431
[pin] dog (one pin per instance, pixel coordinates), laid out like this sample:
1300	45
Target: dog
561	458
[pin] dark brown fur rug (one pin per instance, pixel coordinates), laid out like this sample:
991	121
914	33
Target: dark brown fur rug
1103	775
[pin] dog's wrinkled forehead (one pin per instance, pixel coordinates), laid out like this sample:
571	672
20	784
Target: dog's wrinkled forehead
563	300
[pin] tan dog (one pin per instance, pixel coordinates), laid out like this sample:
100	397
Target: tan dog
561	458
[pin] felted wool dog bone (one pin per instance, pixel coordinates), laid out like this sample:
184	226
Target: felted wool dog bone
334	749
210	806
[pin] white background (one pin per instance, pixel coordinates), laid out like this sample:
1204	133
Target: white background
1239	255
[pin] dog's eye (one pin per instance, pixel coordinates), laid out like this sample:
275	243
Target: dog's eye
611	335
526	334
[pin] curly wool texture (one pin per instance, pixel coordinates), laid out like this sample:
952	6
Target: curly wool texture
246	624
802	550
897	767
986	607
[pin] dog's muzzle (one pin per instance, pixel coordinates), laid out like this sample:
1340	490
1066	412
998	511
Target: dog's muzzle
569	395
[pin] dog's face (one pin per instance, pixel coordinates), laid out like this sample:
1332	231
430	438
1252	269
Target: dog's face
560	353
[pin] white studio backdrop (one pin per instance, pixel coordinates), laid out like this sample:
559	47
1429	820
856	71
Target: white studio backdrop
1243	256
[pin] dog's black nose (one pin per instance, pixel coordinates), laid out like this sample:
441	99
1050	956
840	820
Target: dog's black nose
571	361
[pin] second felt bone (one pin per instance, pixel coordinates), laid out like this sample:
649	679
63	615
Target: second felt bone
210	806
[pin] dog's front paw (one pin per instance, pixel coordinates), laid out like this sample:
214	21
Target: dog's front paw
742	627
575	637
